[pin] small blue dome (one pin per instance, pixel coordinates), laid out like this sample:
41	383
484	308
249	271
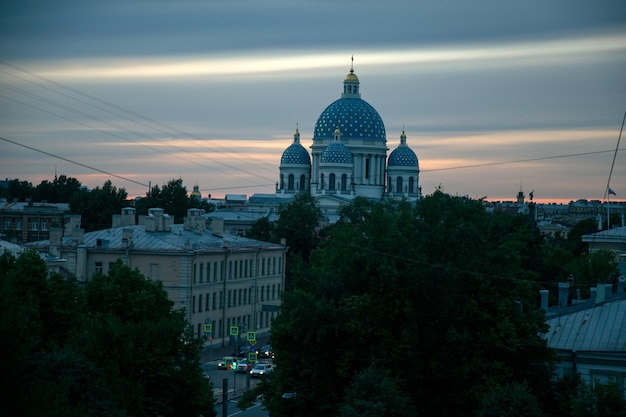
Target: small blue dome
355	117
336	153
403	156
295	154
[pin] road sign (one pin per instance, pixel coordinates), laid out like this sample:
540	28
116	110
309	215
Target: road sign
251	336
208	328
234	330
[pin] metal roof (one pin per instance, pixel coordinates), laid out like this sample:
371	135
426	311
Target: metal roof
177	239
601	328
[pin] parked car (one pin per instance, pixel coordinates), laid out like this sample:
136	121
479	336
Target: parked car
226	362
261	369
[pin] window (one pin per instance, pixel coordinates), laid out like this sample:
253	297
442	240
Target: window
411	185
273	292
302	182
230	294
214	299
200	303
18	225
193	304
7	224
44	225
222	295
194	272
331	182
344	182
214	271
245	296
206	305
34	225
240	294
98	267
222	275
230	269
322	181
367	168
399	184
262	293
273	265
290	182
201	273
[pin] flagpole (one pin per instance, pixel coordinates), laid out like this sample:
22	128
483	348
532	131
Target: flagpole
608	205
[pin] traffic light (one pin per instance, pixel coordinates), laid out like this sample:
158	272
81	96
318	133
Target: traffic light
233	366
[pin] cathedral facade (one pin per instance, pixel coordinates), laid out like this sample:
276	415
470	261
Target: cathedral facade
348	155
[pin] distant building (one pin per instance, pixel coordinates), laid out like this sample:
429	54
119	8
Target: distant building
349	156
218	278
590	339
22	222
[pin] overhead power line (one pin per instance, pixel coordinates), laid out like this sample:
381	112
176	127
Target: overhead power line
75	162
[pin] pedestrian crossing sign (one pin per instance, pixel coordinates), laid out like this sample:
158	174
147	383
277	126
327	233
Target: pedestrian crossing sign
251	336
208	328
234	330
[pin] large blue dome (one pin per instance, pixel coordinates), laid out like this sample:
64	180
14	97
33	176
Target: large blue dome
336	153
355	117
295	154
403	156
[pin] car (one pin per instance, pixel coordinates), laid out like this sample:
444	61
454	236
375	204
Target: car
266	351
226	362
244	366
261	369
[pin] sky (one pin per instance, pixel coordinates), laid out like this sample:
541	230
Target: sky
494	95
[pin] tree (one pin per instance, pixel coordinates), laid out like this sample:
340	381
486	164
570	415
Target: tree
60	190
112	348
440	288
98	206
17	190
172	198
599	400
299	222
510	400
375	393
262	229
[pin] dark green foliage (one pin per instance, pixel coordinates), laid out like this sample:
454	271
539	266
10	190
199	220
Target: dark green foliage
98	206
599	400
112	348
262	229
58	191
374	393
436	294
509	400
172	198
299	223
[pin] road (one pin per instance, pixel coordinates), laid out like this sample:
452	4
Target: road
237	384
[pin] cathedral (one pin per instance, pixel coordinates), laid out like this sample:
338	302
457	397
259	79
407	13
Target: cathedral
348	156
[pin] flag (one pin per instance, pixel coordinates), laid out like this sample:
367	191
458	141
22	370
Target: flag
612	192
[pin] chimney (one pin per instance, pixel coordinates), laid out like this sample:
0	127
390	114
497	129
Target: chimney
127	237
194	221
56	239
217	227
563	294
77	236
